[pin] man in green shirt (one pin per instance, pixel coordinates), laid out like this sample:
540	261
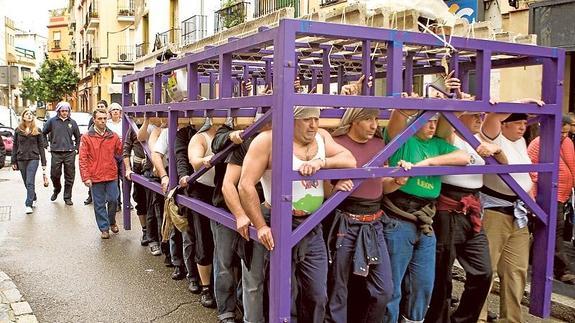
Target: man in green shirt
407	229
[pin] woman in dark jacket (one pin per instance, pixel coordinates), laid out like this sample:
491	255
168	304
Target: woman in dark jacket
27	152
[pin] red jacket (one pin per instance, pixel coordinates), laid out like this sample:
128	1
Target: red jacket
566	167
98	155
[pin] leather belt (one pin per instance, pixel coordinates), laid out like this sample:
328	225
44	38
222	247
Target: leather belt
365	217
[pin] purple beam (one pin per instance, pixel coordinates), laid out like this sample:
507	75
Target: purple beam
482	74
172	130
213	213
212	86
268	70
376	172
544	245
193	82
408	74
282	147
454	64
394	68
378	160
313	79
340	80
366	65
225	76
157	94
141	99
417	103
126	98
325	75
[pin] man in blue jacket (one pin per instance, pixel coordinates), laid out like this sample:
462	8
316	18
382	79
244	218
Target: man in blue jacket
64	138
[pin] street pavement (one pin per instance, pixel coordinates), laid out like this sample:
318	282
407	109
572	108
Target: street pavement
68	274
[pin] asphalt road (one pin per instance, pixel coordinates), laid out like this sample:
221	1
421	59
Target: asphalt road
68	274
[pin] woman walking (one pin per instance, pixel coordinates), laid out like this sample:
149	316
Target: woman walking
27	152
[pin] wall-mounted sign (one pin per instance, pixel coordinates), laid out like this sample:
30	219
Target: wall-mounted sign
466	9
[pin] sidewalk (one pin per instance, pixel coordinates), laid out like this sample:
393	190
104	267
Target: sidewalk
13	306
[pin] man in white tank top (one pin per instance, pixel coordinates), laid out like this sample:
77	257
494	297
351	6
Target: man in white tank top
313	149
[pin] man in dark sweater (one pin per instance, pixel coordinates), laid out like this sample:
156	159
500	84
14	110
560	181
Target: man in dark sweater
64	141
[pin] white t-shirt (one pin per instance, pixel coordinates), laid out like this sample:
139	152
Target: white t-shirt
161	146
115	127
471	181
516	153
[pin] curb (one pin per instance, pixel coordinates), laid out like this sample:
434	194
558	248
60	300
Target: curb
13	306
562	307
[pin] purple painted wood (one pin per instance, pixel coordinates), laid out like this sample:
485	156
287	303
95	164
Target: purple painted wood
282	148
408	74
126	185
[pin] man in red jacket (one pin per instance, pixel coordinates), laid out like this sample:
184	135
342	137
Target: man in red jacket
98	168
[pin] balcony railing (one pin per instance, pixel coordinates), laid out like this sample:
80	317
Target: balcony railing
126	8
142	49
194	29
263	7
167	37
231	16
93	55
56	45
25	53
125	54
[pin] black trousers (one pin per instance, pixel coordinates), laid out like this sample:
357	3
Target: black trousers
155	214
67	160
456	239
561	264
139	192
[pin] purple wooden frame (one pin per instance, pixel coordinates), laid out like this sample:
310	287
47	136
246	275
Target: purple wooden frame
400	66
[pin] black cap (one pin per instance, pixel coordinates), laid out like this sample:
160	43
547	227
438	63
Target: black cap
516	117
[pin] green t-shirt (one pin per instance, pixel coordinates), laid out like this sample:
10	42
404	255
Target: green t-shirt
415	150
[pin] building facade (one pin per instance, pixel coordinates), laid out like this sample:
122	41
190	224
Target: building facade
102	47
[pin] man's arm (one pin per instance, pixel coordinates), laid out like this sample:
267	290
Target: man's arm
221	138
77	136
257	158
232	198
181	151
142	134
456	158
83	160
196	152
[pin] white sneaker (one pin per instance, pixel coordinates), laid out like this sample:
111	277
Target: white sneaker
29	210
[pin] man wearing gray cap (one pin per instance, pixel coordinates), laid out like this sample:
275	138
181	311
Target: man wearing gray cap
313	149
64	138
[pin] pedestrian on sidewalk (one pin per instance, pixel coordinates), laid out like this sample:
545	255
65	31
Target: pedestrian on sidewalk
99	151
27	152
102	104
64	138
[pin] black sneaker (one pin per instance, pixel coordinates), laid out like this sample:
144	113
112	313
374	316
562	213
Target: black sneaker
54	196
168	261
68	202
206	298
144	241
194	286
88	201
179	273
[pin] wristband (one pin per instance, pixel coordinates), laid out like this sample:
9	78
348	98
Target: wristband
163	176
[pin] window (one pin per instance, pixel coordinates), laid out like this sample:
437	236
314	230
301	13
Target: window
56	35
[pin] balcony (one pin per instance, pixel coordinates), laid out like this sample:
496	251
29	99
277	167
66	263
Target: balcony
231	15
72	48
166	38
125	54
55	46
194	29
126	10
92	59
264	7
92	18
142	49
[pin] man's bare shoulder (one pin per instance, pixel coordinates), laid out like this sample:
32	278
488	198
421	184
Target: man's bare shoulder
263	138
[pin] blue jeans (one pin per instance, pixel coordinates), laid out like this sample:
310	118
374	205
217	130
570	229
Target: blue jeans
412	256
377	285
253	283
226	269
28	170
105	198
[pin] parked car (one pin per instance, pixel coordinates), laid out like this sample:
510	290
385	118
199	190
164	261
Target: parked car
7	135
82	119
8	117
